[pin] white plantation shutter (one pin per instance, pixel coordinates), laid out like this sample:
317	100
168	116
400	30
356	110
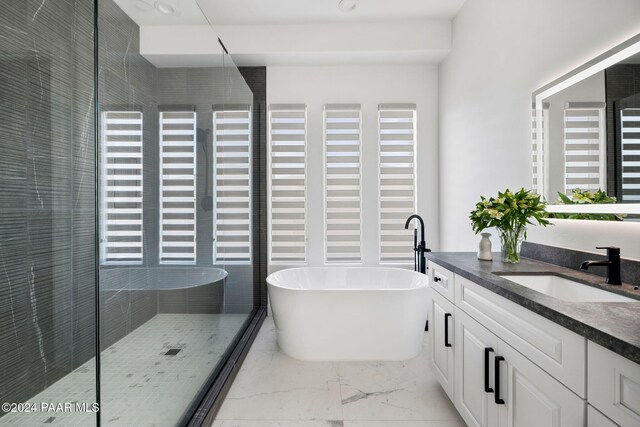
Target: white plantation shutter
538	142
630	131
397	178
342	136
584	146
232	183
287	181
177	186
121	240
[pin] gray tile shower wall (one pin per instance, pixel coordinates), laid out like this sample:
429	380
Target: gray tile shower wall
569	258
204	299
128	82
47	227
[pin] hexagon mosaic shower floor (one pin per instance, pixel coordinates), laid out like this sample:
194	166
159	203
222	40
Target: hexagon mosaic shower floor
142	385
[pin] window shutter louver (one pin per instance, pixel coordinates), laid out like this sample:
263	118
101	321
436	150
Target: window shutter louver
585	158
538	142
287	166
342	135
397	178
122	187
232	183
177	187
630	131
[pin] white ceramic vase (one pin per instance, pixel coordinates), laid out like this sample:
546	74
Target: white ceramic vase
484	249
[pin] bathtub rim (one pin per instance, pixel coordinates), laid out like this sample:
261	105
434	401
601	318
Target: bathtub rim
424	284
103	286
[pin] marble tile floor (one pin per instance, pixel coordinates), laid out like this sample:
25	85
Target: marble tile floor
141	385
274	390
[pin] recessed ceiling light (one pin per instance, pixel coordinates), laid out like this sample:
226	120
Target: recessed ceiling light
165	8
348	5
143	6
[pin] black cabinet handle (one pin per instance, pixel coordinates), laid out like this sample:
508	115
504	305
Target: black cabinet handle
498	400
487	389
436	279
446	329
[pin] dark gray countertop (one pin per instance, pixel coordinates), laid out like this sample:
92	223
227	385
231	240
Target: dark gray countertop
614	325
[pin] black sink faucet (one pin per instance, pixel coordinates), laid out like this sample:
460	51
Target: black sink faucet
419	260
612	264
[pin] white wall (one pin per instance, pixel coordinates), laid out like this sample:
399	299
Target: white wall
503	50
369	86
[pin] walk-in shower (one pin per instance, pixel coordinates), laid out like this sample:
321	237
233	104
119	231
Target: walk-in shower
131	214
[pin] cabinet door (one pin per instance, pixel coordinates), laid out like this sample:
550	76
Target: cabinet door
475	349
441	341
596	419
614	385
533	398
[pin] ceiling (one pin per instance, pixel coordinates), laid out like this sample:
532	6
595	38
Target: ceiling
252	12
148	12
275	12
296	32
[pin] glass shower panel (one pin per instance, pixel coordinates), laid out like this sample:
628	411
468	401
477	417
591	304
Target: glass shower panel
175	272
173	236
235	247
47	227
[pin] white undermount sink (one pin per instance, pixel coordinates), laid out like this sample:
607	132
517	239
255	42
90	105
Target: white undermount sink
565	289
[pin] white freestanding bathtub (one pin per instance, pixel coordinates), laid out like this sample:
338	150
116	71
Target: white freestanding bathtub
350	313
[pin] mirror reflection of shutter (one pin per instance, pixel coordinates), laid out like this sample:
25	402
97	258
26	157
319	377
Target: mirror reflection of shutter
177	187
342	136
232	183
122	187
537	146
287	180
630	131
397	181
584	146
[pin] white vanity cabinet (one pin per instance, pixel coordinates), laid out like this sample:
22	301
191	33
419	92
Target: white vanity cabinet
495	385
505	366
614	386
441	325
477	337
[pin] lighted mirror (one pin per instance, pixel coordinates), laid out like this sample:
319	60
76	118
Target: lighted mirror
586	138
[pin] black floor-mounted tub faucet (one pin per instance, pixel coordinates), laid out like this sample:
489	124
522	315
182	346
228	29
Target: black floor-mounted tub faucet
419	260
